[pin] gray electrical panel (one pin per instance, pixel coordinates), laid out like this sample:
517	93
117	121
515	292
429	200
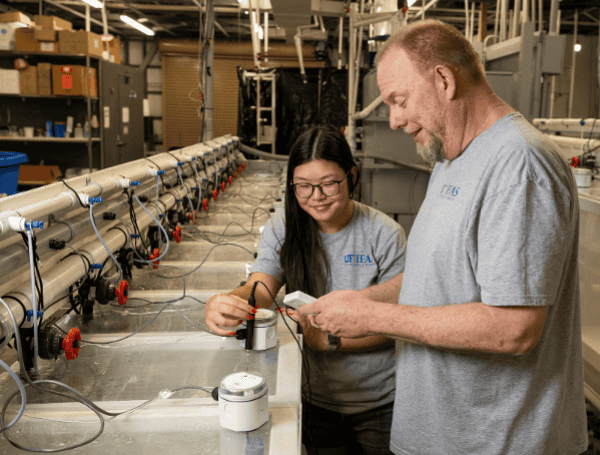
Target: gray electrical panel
122	113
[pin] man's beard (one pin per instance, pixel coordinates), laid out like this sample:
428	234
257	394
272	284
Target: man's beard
433	151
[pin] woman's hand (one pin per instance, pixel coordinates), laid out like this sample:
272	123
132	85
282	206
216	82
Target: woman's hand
225	311
315	339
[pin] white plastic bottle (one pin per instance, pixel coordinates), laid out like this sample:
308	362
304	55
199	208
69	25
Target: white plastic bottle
86	128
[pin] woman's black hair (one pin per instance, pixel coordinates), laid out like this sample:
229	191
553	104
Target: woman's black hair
303	258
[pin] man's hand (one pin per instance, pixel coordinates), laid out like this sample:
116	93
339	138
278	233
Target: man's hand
315	338
341	313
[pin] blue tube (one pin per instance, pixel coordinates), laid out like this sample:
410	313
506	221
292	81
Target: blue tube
12	373
158	224
104	245
33	300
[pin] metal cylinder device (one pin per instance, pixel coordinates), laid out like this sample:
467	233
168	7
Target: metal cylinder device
243	401
265	330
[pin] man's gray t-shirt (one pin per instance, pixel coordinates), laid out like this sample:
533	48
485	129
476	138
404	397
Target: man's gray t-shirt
369	250
499	225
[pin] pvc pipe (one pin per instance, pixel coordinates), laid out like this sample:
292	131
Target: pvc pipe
339	63
298	42
574	57
268	156
369	109
15	256
138	170
503	18
266	41
72	269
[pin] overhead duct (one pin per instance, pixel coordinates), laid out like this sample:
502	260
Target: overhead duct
291	15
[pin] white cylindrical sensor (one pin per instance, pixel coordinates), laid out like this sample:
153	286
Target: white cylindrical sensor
243	401
583	177
265	330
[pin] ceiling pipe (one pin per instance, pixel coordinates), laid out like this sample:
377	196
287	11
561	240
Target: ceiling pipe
78	14
572	85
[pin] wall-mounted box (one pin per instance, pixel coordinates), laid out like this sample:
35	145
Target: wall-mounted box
79	42
74	80
553	56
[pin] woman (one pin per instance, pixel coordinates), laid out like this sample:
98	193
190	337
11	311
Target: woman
328	242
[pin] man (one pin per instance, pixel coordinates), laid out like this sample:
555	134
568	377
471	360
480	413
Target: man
489	300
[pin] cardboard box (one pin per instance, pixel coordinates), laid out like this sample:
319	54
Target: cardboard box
28	81
47	26
25	40
47	47
15	16
72	80
44	75
38	175
79	42
114	47
9	82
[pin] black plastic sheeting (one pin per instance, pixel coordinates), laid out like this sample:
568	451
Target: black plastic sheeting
322	100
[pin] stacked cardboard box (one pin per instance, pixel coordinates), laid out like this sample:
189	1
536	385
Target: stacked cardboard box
28	81
15	16
44	74
114	47
79	42
25	40
74	80
46	27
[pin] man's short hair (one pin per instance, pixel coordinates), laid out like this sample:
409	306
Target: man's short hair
429	43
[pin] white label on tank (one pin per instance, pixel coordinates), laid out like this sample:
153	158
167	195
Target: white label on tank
125	115
106	117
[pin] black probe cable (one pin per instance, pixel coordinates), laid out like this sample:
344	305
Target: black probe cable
183	275
302	353
77	397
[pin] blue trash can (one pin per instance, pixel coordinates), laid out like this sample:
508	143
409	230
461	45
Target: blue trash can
9	171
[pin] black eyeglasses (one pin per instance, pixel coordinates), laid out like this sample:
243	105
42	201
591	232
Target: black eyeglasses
305	190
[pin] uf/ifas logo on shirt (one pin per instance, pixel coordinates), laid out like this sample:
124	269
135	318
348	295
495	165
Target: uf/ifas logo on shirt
450	191
358	260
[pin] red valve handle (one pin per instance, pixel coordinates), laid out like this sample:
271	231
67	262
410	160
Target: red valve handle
154	255
193	217
215	193
222	187
240	170
122	291
235	174
574	161
243	165
229	180
177	234
205	204
71	343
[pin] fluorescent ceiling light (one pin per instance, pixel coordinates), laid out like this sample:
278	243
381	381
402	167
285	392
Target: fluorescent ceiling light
410	3
137	25
94	3
577	46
